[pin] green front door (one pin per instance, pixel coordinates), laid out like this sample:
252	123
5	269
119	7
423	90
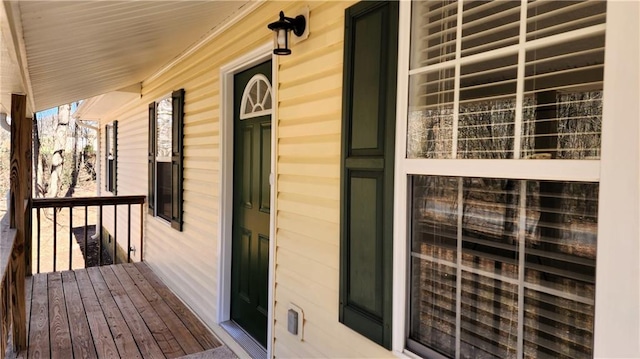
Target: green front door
251	206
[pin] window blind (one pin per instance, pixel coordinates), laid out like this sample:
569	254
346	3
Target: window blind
560	259
433	262
487	108
489	25
434	32
546	18
561	85
430	123
537	238
562	110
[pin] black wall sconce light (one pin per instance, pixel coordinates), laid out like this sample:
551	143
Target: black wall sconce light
282	31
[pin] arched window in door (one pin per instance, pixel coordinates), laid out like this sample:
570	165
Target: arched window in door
256	98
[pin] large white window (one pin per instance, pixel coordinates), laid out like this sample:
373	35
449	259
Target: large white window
500	170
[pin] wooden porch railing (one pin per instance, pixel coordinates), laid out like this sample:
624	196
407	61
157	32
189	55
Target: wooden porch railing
57	204
15	231
8	286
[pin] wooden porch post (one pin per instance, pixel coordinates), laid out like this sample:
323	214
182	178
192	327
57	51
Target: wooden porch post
20	203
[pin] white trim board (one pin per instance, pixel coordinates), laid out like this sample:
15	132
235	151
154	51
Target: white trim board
227	72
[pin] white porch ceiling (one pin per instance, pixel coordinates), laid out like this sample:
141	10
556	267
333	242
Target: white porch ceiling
79	49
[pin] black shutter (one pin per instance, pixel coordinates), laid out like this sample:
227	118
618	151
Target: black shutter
177	158
152	157
114	167
368	138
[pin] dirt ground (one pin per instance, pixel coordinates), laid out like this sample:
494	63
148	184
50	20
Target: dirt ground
67	243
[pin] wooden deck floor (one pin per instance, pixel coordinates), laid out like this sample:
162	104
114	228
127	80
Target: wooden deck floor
118	311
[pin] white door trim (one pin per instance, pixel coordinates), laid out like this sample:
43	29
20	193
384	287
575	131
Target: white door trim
227	72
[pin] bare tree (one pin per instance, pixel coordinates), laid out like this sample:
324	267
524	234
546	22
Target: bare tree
60	143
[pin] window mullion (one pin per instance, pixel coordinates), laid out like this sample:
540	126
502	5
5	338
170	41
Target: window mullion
517	136
522	222
517	148
459	267
456	88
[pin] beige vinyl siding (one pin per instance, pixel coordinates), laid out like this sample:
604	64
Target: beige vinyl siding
132	150
308	202
307	173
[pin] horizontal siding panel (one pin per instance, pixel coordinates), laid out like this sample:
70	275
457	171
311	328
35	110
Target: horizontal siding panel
308	151
340	342
327	231
321	296
309	248
330	80
310	97
323	170
320	106
310	186
319	126
321	208
286	340
198	174
203	118
321	59
309	267
211	152
200	107
196	141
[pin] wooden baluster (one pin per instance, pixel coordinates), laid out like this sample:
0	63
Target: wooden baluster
141	231
38	249
86	220
129	233
70	237
99	229
115	234
55	237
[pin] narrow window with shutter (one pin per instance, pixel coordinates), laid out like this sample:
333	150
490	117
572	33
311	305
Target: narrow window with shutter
166	122
502	258
369	97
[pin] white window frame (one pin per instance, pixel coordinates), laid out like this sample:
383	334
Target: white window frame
617	312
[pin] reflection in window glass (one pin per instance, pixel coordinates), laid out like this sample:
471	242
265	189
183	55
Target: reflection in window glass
560	266
562	112
562	80
433	32
164	118
433	258
487	108
430	126
489	25
495	222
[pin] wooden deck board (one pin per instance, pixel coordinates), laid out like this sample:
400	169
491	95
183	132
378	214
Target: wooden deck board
205	338
39	327
118	311
147	345
186	340
157	326
82	342
100	332
123	337
59	332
